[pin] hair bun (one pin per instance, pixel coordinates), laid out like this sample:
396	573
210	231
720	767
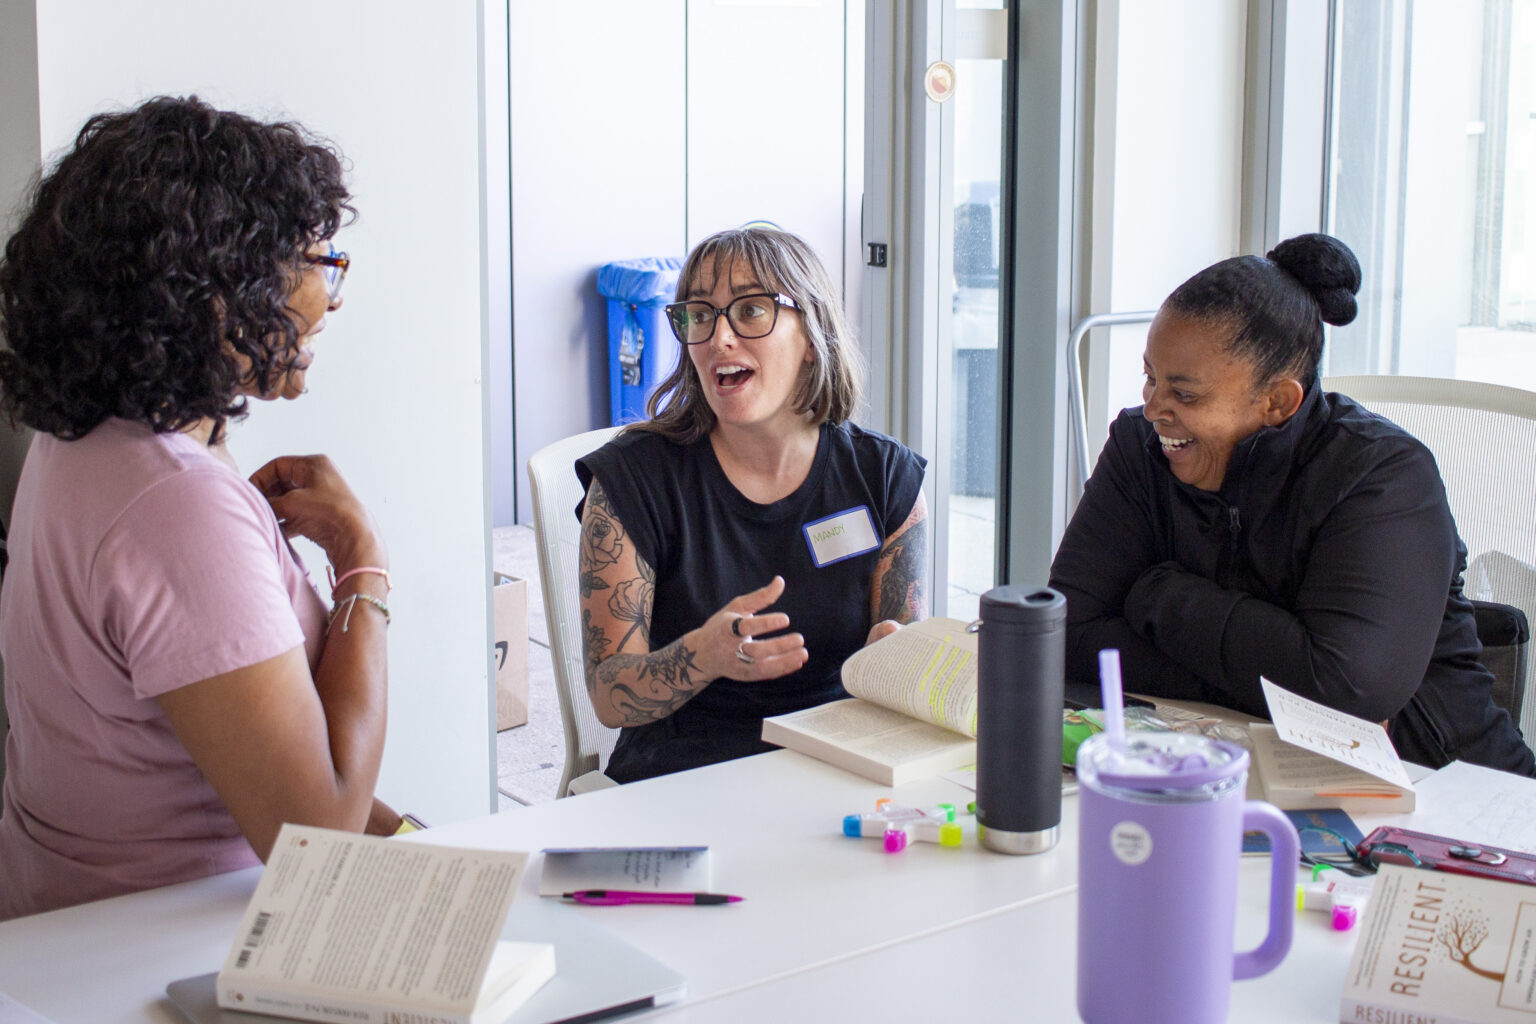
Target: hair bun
1328	270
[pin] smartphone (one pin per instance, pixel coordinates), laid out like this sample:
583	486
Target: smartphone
1391	845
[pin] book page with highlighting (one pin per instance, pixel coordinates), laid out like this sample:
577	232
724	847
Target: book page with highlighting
926	670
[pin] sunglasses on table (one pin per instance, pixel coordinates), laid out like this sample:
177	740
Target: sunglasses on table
750	316
1352	862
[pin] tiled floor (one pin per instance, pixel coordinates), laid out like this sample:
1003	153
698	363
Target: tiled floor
529	758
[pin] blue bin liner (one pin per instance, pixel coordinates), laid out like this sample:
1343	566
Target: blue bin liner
641	347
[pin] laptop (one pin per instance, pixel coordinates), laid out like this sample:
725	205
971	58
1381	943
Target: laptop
597	975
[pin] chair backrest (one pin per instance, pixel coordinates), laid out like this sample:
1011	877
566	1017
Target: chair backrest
556	491
1483	437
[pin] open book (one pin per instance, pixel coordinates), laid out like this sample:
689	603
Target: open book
346	927
913	710
1314	756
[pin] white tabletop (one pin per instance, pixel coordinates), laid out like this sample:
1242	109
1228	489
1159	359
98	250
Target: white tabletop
773	823
1020	963
829	923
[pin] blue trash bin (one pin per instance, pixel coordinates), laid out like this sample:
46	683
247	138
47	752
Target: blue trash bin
641	347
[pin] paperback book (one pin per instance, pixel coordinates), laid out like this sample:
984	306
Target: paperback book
1443	947
913	710
356	928
1314	756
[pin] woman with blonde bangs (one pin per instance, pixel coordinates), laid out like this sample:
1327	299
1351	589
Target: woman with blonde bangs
746	506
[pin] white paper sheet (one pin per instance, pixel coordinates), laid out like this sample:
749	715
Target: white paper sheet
1474	804
12	1012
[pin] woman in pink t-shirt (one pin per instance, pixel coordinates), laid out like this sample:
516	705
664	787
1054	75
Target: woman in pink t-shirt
177	688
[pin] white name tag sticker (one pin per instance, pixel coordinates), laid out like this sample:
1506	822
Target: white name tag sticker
841	536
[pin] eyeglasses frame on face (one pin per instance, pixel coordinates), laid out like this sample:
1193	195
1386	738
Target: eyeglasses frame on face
334	261
779	299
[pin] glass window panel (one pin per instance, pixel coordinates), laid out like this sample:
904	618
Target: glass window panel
1433	143
978	106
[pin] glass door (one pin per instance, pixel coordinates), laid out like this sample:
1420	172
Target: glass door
970	346
935	104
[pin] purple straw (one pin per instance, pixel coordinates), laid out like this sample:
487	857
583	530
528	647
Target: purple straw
1114	707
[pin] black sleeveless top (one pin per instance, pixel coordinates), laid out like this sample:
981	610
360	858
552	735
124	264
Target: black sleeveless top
709	544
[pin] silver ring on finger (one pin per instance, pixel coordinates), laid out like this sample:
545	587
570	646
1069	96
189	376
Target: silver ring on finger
736	625
742	655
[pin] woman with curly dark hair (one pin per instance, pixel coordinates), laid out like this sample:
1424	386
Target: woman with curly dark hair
175	688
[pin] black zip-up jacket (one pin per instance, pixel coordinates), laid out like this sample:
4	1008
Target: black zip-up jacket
1328	562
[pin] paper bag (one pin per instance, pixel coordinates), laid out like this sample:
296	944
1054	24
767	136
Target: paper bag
510	656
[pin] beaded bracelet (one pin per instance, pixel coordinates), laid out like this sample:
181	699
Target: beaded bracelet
337	581
349	601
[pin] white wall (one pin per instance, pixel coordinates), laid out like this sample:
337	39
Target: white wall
18	107
597	175
1167	167
671	120
396	389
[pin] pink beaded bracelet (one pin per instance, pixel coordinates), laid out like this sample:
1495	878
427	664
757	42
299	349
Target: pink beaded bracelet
337	581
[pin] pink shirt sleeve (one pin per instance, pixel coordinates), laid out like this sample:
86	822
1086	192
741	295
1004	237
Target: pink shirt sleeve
189	582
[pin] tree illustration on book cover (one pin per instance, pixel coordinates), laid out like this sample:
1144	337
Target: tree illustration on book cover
1462	935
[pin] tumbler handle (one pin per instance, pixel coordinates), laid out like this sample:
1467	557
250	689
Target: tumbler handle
1284	847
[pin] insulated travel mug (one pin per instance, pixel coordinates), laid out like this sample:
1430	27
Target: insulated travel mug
1022	654
1160	835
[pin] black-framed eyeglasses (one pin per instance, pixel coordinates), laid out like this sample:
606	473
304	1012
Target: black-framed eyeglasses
1353	862
333	266
751	316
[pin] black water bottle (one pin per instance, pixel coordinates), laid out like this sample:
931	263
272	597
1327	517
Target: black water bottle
1022	643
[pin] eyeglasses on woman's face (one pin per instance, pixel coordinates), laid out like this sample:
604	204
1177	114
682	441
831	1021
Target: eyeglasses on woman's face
333	267
750	316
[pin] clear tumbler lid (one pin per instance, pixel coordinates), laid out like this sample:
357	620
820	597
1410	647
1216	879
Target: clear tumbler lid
1156	760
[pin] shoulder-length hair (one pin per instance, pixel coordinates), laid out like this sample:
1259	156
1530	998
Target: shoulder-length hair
829	387
164	246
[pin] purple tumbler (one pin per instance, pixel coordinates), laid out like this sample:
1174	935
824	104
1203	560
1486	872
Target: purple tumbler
1160	830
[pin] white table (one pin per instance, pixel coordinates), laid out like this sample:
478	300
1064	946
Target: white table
813	897
1020	963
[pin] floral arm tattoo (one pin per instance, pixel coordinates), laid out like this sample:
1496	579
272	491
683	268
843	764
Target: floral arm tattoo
899	592
641	687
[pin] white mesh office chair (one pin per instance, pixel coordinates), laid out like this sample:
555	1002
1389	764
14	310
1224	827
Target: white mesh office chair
1483	437
556	490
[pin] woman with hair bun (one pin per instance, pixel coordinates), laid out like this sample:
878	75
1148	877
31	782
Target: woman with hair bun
1243	523
175	690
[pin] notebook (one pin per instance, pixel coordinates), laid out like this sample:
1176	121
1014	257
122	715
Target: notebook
597	974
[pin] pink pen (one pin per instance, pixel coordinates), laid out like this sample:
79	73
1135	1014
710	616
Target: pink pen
619	897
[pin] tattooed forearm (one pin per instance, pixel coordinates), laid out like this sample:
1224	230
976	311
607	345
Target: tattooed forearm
901	582
602	540
645	687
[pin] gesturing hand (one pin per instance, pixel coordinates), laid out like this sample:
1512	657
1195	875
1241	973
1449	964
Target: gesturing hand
311	499
728	643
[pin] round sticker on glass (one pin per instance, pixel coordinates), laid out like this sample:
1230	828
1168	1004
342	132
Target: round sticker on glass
1131	842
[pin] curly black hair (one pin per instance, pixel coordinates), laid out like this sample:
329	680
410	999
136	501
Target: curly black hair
163	246
1275	306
